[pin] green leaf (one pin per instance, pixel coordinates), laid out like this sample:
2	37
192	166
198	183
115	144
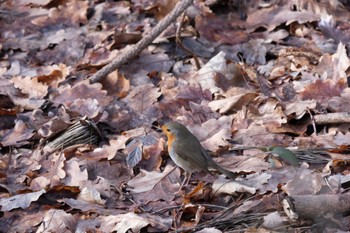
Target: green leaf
286	155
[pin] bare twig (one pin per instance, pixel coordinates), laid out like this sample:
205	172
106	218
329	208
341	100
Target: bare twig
142	44
312	121
178	40
332	118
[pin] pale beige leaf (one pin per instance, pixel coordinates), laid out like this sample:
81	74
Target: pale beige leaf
75	176
231	187
91	195
273	220
152	186
205	76
20	201
57	221
299	108
123	223
30	86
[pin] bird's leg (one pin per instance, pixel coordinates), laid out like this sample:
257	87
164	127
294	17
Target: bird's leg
188	174
186	179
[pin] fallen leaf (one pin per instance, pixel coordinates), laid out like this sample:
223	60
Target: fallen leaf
17	136
57	221
152	186
20	201
230	187
74	175
124	222
91	195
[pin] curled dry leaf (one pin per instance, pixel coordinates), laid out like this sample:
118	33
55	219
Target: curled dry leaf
304	182
17	136
205	77
273	220
91	195
116	84
54	75
233	103
270	18
20	201
132	222
30	86
231	187
213	133
299	108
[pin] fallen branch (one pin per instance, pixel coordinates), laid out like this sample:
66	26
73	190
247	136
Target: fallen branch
332	118
316	206
142	44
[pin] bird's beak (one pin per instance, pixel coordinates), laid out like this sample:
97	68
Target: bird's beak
157	128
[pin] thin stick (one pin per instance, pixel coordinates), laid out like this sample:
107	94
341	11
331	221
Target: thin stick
179	42
333	118
312	121
142	44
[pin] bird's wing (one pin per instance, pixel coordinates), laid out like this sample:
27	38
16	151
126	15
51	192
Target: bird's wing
193	149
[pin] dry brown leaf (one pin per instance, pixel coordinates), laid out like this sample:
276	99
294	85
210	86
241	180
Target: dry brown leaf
152	156
337	70
233	103
152	186
75	176
142	98
276	15
20	201
208	24
299	108
18	136
304	182
270	113
54	167
163	8
123	223
209	230
91	195
273	220
57	221
230	187
54	75
39	183
116	84
84	98
140	68
258	135
88	206
247	164
321	91
30	86
29	221
205	77
73	13
213	133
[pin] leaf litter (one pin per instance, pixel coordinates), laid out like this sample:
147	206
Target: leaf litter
270	101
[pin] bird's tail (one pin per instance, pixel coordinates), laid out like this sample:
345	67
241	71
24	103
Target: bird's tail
223	171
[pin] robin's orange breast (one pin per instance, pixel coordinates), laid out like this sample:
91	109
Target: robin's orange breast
171	137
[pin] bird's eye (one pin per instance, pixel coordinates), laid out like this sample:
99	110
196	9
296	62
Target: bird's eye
168	130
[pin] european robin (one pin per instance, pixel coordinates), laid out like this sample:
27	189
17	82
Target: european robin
187	152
